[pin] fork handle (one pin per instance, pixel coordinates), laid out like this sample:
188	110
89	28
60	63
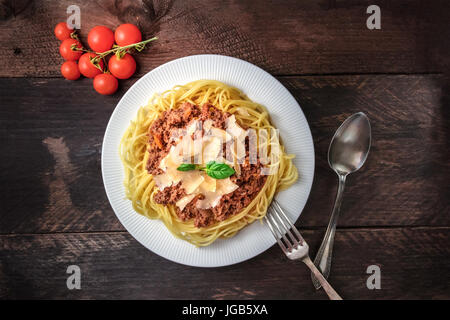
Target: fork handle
332	294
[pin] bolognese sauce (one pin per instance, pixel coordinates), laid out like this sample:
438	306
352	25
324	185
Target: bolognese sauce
248	180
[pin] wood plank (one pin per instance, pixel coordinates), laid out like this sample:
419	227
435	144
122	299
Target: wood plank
283	37
405	178
413	262
52	181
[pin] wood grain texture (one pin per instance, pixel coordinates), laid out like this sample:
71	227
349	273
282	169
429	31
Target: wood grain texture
284	37
52	181
414	264
405	178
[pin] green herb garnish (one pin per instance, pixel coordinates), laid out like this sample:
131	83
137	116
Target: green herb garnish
186	167
213	169
218	170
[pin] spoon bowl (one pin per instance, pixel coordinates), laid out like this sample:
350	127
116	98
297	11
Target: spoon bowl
350	144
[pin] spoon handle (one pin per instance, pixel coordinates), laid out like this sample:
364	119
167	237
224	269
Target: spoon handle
323	257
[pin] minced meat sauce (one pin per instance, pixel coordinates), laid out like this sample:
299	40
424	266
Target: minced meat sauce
250	181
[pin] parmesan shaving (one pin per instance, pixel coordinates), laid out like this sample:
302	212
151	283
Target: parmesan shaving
183	202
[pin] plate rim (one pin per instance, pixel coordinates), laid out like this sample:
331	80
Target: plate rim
148	74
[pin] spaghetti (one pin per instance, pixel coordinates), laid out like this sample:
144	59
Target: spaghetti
141	188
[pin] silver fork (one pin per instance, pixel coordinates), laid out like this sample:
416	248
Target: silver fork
296	248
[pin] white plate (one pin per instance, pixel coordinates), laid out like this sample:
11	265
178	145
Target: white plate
259	86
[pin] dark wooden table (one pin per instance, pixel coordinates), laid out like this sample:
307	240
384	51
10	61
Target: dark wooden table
396	210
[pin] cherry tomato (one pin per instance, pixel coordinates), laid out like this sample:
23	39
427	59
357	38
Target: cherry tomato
67	53
62	31
127	34
69	70
87	68
100	39
105	84
122	68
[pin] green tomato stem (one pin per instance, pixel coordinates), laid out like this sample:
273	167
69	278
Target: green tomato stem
114	50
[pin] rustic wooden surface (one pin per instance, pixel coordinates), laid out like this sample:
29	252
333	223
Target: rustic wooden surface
396	210
284	37
115	266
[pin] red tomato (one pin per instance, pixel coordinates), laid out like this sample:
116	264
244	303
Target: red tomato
122	68
127	34
87	68
69	70
67	53
105	84
100	39
62	31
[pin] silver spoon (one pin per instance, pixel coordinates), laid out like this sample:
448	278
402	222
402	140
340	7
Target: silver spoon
347	153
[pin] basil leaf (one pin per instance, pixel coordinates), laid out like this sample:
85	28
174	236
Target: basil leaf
186	167
219	170
209	164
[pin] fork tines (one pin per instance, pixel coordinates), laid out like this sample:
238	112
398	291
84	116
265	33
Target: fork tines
280	225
